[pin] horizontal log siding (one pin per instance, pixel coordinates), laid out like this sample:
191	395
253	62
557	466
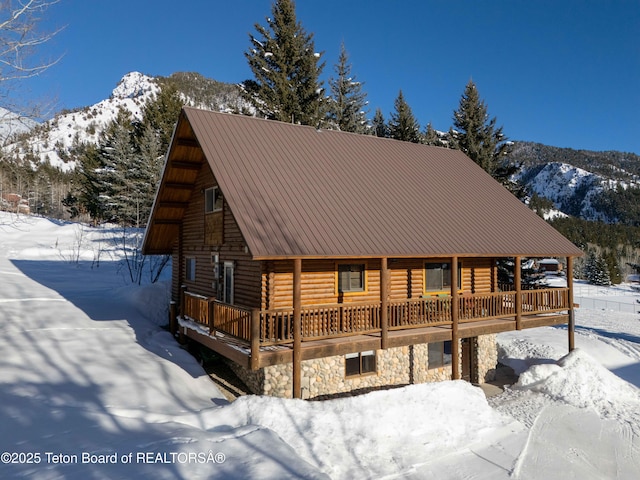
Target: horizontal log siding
318	284
406	280
477	275
247	271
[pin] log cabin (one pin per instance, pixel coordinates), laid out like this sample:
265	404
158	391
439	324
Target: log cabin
320	262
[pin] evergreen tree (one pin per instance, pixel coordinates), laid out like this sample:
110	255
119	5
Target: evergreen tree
479	138
431	137
145	171
380	128
285	65
161	114
89	195
346	107
403	125
116	177
596	270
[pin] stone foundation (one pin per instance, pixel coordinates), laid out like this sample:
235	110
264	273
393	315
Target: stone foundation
394	367
487	359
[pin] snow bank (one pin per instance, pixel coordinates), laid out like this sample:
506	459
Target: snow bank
386	432
579	380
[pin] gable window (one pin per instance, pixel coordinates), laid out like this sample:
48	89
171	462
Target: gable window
212	200
351	277
438	276
360	363
439	354
190	274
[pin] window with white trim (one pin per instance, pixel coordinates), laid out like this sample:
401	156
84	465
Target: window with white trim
212	200
360	363
439	354
438	276
351	277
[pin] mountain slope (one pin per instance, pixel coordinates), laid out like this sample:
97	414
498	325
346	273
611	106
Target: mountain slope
580	183
52	141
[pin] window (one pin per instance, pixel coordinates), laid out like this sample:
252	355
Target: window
351	277
438	277
439	354
191	269
212	200
360	363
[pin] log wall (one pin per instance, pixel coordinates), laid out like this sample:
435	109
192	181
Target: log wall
320	284
233	248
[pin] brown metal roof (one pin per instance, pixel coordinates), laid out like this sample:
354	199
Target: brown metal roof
297	191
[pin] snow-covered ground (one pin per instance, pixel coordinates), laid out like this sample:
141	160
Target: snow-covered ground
92	387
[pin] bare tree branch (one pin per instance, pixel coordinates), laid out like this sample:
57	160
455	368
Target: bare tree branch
20	40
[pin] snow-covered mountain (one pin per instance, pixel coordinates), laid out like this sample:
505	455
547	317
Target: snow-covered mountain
51	141
570	188
575	181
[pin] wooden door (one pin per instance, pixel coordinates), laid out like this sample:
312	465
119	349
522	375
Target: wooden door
469	353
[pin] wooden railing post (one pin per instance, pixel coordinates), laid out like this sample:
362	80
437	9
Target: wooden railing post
211	313
572	321
297	333
255	339
384	303
517	280
173	312
455	306
183	289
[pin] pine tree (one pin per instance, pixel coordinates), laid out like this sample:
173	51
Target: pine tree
285	65
403	125
346	108
89	197
479	138
146	170
116	177
380	128
431	137
596	270
161	114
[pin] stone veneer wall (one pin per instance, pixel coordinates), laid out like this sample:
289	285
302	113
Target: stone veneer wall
487	357
394	367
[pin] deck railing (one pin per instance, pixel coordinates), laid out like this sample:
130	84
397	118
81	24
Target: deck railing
336	320
320	321
419	312
545	301
486	306
232	320
195	307
215	315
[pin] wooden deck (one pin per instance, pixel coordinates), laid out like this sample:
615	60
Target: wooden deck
259	338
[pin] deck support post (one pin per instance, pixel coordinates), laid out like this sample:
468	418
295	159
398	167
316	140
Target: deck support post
255	339
384	302
517	280
455	305
572	321
297	328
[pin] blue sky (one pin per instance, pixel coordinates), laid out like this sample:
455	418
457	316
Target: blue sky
564	73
